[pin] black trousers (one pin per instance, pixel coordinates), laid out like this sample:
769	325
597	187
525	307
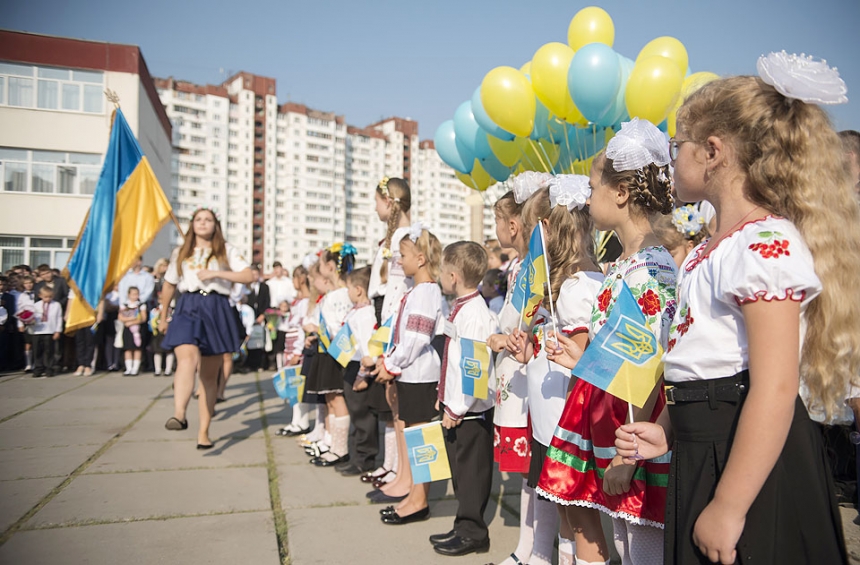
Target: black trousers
470	453
45	353
365	423
84	347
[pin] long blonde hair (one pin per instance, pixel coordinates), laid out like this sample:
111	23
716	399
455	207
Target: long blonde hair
219	244
396	191
429	245
569	241
795	167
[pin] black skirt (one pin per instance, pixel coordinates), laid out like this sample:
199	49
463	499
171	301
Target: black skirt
280	342
325	376
794	518
417	402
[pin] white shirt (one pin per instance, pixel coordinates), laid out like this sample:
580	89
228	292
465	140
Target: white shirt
189	282
708	338
143	281
548	381
362	321
412	358
512	409
280	289
53	324
473	321
248	317
398	283
295	333
333	308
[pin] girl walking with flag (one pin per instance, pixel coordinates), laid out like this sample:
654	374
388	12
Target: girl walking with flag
203	327
766	302
565	259
630	184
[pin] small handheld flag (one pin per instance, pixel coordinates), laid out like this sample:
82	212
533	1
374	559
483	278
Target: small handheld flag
343	346
475	367
324	336
625	358
289	384
534	273
428	458
380	341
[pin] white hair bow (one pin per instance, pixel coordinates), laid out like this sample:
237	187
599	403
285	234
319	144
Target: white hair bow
527	183
569	190
637	145
415	231
803	78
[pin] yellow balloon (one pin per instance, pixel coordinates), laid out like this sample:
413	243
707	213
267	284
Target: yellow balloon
590	25
668	47
466	179
541	155
652	89
549	68
520	168
482	178
690	85
526	69
507	152
582	167
509	100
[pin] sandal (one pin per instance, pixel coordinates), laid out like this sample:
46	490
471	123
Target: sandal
175	424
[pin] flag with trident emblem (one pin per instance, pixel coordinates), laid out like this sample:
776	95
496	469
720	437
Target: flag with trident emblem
625	358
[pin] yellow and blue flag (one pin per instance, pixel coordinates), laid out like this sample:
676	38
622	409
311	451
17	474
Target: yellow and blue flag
428	458
380	341
127	212
324	336
475	367
343	346
625	359
289	384
533	275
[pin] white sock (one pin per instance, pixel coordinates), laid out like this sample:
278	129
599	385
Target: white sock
135	366
329	426
128	366
527	526
279	359
637	544
546	530
583	562
340	435
566	551
390	457
319	425
168	364
301	416
28	355
156	360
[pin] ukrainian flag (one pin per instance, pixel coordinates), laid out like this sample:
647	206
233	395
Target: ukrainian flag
128	210
343	346
625	359
289	384
324	336
428	458
475	367
380	341
533	275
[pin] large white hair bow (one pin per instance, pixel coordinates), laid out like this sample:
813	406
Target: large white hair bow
637	145
803	78
569	190
415	231
527	183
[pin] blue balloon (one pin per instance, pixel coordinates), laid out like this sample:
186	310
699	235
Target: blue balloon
484	120
469	133
582	143
664	125
594	78
453	152
542	117
617	113
495	168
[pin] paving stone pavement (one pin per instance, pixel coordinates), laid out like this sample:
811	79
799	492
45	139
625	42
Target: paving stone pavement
88	474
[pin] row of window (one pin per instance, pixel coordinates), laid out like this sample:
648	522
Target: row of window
51	88
53	251
49	172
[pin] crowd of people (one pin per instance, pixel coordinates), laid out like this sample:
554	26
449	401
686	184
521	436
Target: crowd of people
736	239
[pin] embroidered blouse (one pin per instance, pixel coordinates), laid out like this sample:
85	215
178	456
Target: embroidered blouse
412	357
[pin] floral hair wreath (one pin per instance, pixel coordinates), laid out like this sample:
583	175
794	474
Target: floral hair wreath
383	189
688	220
802	78
343	249
637	145
415	231
569	190
213	211
527	183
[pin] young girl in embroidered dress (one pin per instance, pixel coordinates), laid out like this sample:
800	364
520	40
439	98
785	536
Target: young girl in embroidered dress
326	374
412	362
293	346
203	327
386	288
764	303
630	184
574	279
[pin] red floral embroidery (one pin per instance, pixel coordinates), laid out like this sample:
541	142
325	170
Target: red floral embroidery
650	303
775	249
603	300
671	345
684	327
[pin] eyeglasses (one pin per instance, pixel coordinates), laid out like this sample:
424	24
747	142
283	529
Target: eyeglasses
675	146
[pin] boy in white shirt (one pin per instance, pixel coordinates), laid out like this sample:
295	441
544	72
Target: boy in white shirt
46	333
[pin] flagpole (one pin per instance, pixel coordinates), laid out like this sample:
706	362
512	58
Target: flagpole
548	284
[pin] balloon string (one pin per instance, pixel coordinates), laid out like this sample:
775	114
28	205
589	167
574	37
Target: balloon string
547	158
569	154
545	167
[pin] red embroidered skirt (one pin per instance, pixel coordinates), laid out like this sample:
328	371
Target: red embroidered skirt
512	449
582	447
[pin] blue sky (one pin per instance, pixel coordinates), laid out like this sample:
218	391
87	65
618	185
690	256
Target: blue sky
368	60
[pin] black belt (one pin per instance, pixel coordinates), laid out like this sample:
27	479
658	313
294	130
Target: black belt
729	389
205	292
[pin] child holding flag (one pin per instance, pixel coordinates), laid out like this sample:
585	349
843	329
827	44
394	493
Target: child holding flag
565	260
763	304
413	361
466	398
293	347
630	184
326	375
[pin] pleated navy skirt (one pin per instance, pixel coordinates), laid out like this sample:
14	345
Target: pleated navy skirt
206	321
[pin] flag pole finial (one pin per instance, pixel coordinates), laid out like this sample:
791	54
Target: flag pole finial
112	97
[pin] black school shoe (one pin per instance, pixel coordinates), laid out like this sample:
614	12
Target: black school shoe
395	519
457	546
442	538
